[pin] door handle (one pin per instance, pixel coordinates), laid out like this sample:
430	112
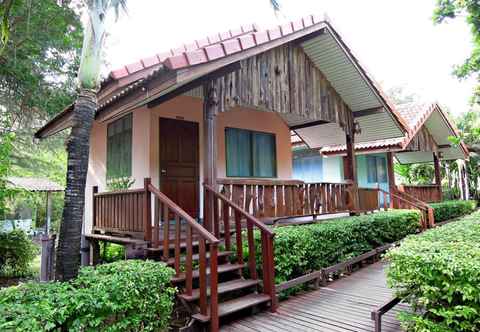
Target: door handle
163	171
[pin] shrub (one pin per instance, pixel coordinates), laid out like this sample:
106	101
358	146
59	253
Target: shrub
452	209
438	273
16	253
112	252
128	295
302	249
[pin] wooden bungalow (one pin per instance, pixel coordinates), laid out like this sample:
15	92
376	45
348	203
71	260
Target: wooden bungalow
204	132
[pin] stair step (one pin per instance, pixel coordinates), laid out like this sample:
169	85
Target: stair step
223	288
221	269
195	257
231	306
171	245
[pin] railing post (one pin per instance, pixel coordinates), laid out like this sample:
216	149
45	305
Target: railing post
431	217
147	213
94	208
214	320
271	255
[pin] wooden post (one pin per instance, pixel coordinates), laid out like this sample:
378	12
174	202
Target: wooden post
351	169
391	177
210	110
147	213
438	177
47	257
49	213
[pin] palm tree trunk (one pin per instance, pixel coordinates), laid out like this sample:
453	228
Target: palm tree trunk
68	250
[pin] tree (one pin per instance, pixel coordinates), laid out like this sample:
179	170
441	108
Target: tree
470	9
38	62
67	262
97	12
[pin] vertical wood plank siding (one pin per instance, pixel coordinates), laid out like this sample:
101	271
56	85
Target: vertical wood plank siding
422	141
283	80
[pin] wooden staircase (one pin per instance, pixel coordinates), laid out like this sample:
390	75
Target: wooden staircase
212	274
214	281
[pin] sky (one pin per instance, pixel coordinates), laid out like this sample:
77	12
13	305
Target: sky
396	41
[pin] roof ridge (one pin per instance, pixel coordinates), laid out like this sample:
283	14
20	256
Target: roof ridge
157	59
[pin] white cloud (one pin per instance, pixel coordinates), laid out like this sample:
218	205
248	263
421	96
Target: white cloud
396	40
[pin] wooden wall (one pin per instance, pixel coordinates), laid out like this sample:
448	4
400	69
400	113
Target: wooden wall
422	141
283	80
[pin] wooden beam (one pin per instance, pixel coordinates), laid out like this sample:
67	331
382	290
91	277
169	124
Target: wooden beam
309	124
195	83
369	111
438	176
391	177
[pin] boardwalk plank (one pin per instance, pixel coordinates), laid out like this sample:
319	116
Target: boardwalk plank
343	306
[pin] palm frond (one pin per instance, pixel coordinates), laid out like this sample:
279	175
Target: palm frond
275	5
118	5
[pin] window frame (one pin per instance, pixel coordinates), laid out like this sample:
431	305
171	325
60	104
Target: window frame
252	154
120	139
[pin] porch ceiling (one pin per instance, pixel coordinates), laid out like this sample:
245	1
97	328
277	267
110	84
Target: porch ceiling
413	157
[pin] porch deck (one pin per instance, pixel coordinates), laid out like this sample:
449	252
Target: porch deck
344	305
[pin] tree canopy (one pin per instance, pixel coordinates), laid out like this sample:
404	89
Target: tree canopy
39	60
470	9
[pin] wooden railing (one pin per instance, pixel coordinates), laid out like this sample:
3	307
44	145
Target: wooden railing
275	199
119	212
368	199
223	209
426	193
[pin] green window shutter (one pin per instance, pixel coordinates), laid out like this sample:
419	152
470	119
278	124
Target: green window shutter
264	155
119	148
371	169
238	145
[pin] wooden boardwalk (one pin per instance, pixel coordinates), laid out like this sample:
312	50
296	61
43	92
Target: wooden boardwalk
344	305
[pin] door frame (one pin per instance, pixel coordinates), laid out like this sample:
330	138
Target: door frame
197	169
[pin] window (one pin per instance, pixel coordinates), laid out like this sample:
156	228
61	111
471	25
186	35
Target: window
250	153
307	166
376	169
119	148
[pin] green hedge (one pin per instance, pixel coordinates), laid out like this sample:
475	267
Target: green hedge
128	295
438	272
17	252
302	249
452	209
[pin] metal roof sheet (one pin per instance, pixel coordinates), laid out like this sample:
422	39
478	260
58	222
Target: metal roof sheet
33	184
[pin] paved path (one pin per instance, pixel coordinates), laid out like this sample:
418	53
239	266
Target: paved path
344	305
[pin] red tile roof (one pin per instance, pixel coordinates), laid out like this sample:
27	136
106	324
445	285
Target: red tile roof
192	53
414	115
372	145
213	47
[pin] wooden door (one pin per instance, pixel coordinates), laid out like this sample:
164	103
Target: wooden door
179	163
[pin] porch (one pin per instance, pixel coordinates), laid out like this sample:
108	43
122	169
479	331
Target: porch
210	266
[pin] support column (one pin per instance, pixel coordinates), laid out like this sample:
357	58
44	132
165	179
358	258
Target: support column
438	176
391	177
351	169
210	110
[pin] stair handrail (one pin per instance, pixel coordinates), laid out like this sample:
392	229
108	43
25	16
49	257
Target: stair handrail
169	207
427	211
177	209
425	204
267	238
